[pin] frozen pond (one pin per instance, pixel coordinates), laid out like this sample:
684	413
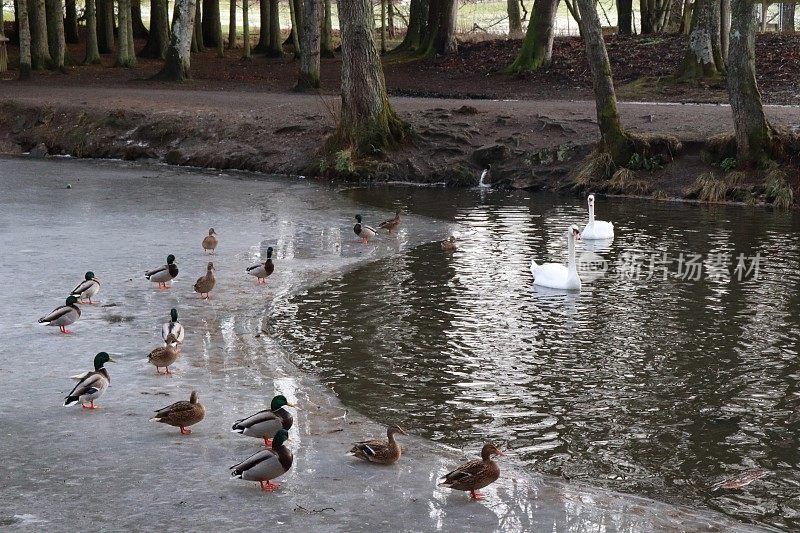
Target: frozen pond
110	469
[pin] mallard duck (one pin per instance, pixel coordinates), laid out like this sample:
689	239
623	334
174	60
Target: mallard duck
63	316
265	424
449	244
474	475
164	274
206	283
173	327
383	452
182	414
262	270
91	385
268	464
86	288
165	355
363	231
210	242
392	223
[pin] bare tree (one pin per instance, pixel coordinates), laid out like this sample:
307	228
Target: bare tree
126	56
614	140
417	20
439	37
368	123
275	48
537	49
24	40
232	25
514	19
753	131
176	66
40	49
92	52
55	32
158	36
704	51
246	30
310	48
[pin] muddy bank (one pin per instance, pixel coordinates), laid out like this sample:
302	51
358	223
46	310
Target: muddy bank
530	145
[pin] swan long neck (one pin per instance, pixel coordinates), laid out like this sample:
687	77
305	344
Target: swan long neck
591	213
571	266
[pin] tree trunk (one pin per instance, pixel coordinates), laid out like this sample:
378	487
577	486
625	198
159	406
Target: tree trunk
704	50
126	58
787	17
383	27
275	48
368	123
40	50
232	25
92	52
24	39
417	18
246	30
613	138
686	19
139	29
105	25
390	19
176	67
263	27
753	131
514	19
310	48
327	32
625	17
295	34
55	32
537	49
197	35
439	38
158	36
15	36
725	28
71	22
211	23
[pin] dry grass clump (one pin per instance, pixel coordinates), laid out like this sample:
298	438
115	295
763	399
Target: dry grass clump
777	188
624	180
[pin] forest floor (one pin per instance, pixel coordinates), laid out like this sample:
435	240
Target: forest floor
465	114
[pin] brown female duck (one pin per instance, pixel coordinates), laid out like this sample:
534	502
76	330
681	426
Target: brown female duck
210	242
383	452
392	223
165	355
206	283
476	474
182	414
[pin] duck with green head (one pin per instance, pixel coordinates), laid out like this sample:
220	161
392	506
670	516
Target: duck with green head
364	232
265	424
173	327
63	315
262	270
86	288
267	464
164	274
91	385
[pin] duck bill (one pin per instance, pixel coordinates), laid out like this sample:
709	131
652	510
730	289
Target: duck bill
294	405
111	360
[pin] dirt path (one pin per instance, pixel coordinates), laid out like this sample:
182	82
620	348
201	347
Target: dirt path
280	132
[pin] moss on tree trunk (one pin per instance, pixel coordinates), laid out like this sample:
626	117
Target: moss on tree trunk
368	123
753	131
126	56
537	48
614	140
704	49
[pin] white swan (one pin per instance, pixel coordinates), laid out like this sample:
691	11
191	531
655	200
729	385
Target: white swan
596	229
487	173
556	275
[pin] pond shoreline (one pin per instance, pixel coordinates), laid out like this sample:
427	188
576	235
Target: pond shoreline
532	146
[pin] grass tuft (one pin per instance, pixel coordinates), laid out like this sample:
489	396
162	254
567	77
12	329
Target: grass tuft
777	188
597	166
